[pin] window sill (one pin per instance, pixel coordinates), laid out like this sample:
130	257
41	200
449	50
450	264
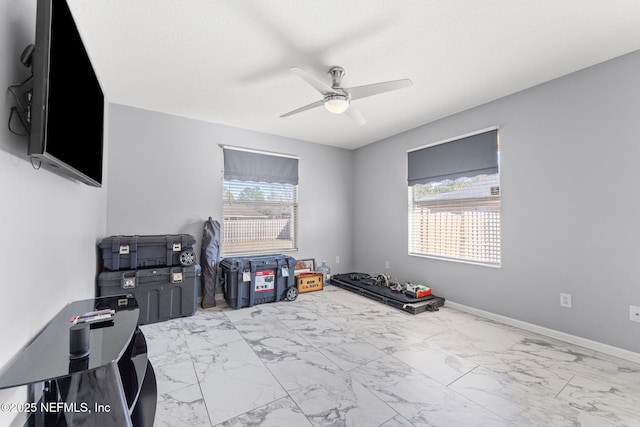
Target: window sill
458	260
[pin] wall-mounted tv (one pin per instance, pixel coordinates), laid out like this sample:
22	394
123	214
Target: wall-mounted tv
67	107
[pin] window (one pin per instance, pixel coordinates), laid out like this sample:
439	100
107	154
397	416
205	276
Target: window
454	199
260	202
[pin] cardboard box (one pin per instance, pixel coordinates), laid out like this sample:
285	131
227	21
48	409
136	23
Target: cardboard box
309	282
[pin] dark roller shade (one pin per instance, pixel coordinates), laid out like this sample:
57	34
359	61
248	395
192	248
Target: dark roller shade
248	166
469	156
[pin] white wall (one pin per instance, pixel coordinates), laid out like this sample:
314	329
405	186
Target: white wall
49	225
165	177
569	159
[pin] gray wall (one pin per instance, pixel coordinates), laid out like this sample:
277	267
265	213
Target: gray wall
49	225
570	207
165	176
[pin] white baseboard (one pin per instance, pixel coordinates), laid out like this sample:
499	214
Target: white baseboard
572	339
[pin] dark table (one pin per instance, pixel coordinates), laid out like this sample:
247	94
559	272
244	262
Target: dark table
114	385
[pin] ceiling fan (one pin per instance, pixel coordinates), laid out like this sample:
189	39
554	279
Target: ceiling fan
337	99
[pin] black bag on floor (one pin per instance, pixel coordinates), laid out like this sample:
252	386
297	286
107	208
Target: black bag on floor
209	257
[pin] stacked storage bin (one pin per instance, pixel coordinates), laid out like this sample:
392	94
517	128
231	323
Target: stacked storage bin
160	271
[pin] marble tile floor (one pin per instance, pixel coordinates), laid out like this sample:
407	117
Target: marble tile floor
334	358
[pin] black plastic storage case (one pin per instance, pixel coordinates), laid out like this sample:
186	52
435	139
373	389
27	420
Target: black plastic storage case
162	293
255	280
131	252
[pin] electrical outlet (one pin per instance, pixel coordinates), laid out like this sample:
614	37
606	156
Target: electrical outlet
386	264
338	259
565	300
634	313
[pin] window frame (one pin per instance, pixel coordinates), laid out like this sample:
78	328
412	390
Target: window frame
262	244
443	203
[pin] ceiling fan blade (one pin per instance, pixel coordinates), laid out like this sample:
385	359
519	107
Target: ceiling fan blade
360	92
321	87
354	114
306	107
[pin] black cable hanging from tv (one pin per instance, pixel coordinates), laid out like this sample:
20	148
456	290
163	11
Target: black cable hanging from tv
23	111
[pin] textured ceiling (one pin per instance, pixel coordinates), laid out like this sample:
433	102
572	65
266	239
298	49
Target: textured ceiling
228	61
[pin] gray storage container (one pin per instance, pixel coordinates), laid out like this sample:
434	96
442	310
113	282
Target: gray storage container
255	280
162	293
131	252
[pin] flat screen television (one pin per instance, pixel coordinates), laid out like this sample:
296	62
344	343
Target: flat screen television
67	106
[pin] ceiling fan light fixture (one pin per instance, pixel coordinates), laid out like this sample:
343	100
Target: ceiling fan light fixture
336	103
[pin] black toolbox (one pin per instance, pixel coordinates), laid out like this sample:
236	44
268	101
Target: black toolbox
162	293
145	251
252	280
